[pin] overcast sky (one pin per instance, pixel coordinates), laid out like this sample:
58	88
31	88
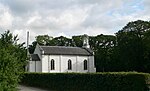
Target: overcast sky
69	17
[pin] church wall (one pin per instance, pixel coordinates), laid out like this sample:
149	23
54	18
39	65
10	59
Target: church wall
80	63
64	63
44	63
38	66
56	59
32	66
61	63
35	66
92	65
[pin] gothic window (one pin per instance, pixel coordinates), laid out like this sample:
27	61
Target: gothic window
69	65
85	64
52	64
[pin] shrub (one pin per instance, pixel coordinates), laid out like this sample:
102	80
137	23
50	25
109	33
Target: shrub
87	82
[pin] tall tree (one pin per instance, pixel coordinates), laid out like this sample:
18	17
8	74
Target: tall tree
103	46
146	43
130	45
12	61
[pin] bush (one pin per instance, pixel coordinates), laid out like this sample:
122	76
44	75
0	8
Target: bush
87	82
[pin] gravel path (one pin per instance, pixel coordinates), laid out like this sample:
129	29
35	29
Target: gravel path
26	88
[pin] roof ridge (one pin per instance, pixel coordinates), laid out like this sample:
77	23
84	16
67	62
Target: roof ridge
62	46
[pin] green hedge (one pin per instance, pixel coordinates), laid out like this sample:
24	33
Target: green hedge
88	82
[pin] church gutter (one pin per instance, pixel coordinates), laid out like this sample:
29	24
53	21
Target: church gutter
35	66
49	63
88	64
60	63
76	63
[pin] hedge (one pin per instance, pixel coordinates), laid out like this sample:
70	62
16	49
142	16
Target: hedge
120	81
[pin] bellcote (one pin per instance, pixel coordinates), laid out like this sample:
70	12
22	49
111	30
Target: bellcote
86	41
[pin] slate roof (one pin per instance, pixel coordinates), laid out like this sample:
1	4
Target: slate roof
62	50
35	57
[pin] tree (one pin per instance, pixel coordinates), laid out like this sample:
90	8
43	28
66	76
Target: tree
44	39
131	45
62	41
12	61
77	41
32	47
103	46
146	42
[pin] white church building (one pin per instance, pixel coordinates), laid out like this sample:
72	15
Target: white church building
62	59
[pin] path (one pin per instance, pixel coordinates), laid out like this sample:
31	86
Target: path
26	88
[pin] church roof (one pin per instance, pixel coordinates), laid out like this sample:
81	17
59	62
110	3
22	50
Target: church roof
35	57
62	50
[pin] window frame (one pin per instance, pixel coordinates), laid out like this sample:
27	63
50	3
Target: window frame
85	64
52	64
69	64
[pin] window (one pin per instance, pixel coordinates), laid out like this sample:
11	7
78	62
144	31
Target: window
52	64
85	64
69	65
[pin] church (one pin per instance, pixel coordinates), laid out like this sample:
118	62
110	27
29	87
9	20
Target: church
62	59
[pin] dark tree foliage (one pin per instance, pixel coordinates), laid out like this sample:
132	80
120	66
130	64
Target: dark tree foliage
77	41
12	61
132	45
62	41
43	39
146	43
103	46
32	47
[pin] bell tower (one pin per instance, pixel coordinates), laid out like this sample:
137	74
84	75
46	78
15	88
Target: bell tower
86	41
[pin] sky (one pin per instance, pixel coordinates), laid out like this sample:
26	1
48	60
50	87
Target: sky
69	17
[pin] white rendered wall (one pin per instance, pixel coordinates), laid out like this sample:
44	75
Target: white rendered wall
45	63
80	64
57	63
61	63
32	66
64	63
38	66
92	65
35	66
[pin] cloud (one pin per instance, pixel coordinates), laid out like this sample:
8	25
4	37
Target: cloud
69	17
5	17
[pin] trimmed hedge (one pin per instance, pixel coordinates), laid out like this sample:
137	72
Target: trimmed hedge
122	81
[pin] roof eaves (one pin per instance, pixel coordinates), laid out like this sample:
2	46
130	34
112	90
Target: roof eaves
66	54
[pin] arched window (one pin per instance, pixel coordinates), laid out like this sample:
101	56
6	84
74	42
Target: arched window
69	65
52	64
85	64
